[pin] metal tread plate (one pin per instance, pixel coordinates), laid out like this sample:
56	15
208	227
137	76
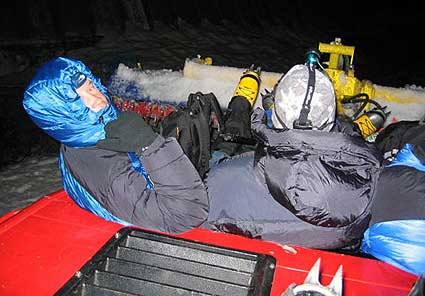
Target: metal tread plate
140	262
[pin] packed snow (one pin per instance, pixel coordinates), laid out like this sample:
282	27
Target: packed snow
174	87
27	181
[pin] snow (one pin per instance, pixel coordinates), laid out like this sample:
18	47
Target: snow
162	54
405	103
166	86
27	181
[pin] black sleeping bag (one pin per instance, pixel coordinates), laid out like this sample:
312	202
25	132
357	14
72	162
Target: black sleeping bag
401	186
400	195
309	188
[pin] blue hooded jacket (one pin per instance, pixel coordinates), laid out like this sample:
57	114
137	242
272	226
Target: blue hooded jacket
53	104
105	182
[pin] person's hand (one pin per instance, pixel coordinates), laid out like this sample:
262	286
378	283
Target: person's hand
128	133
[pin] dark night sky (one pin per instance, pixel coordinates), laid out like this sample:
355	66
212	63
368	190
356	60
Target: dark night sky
387	36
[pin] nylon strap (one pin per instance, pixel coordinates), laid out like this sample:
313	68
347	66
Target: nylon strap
138	167
302	119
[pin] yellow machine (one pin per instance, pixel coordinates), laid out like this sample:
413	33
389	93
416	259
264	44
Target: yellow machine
201	60
341	71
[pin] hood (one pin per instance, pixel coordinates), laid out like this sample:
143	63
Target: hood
53	104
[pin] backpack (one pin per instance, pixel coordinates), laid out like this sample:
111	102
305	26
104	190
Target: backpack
396	135
195	126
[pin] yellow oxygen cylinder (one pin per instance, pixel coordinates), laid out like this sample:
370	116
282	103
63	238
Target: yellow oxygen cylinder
249	85
370	122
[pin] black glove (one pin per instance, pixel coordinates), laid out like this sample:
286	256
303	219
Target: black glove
345	125
128	133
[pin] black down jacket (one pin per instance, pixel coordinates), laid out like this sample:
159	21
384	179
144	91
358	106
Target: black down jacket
178	203
309	188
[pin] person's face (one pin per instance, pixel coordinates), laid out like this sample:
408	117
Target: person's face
91	96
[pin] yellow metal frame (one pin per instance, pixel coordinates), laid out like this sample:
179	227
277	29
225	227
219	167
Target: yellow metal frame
342	76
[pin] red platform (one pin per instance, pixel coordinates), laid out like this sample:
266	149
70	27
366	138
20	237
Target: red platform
43	245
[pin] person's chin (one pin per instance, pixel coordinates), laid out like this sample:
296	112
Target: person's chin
98	108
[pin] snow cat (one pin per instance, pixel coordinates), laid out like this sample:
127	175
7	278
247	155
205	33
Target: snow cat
54	247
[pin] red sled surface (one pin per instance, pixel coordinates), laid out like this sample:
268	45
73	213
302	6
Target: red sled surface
45	244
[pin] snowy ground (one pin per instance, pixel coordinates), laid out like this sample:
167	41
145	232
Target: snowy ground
27	181
162	48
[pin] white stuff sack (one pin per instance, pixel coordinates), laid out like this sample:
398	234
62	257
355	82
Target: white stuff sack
290	92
